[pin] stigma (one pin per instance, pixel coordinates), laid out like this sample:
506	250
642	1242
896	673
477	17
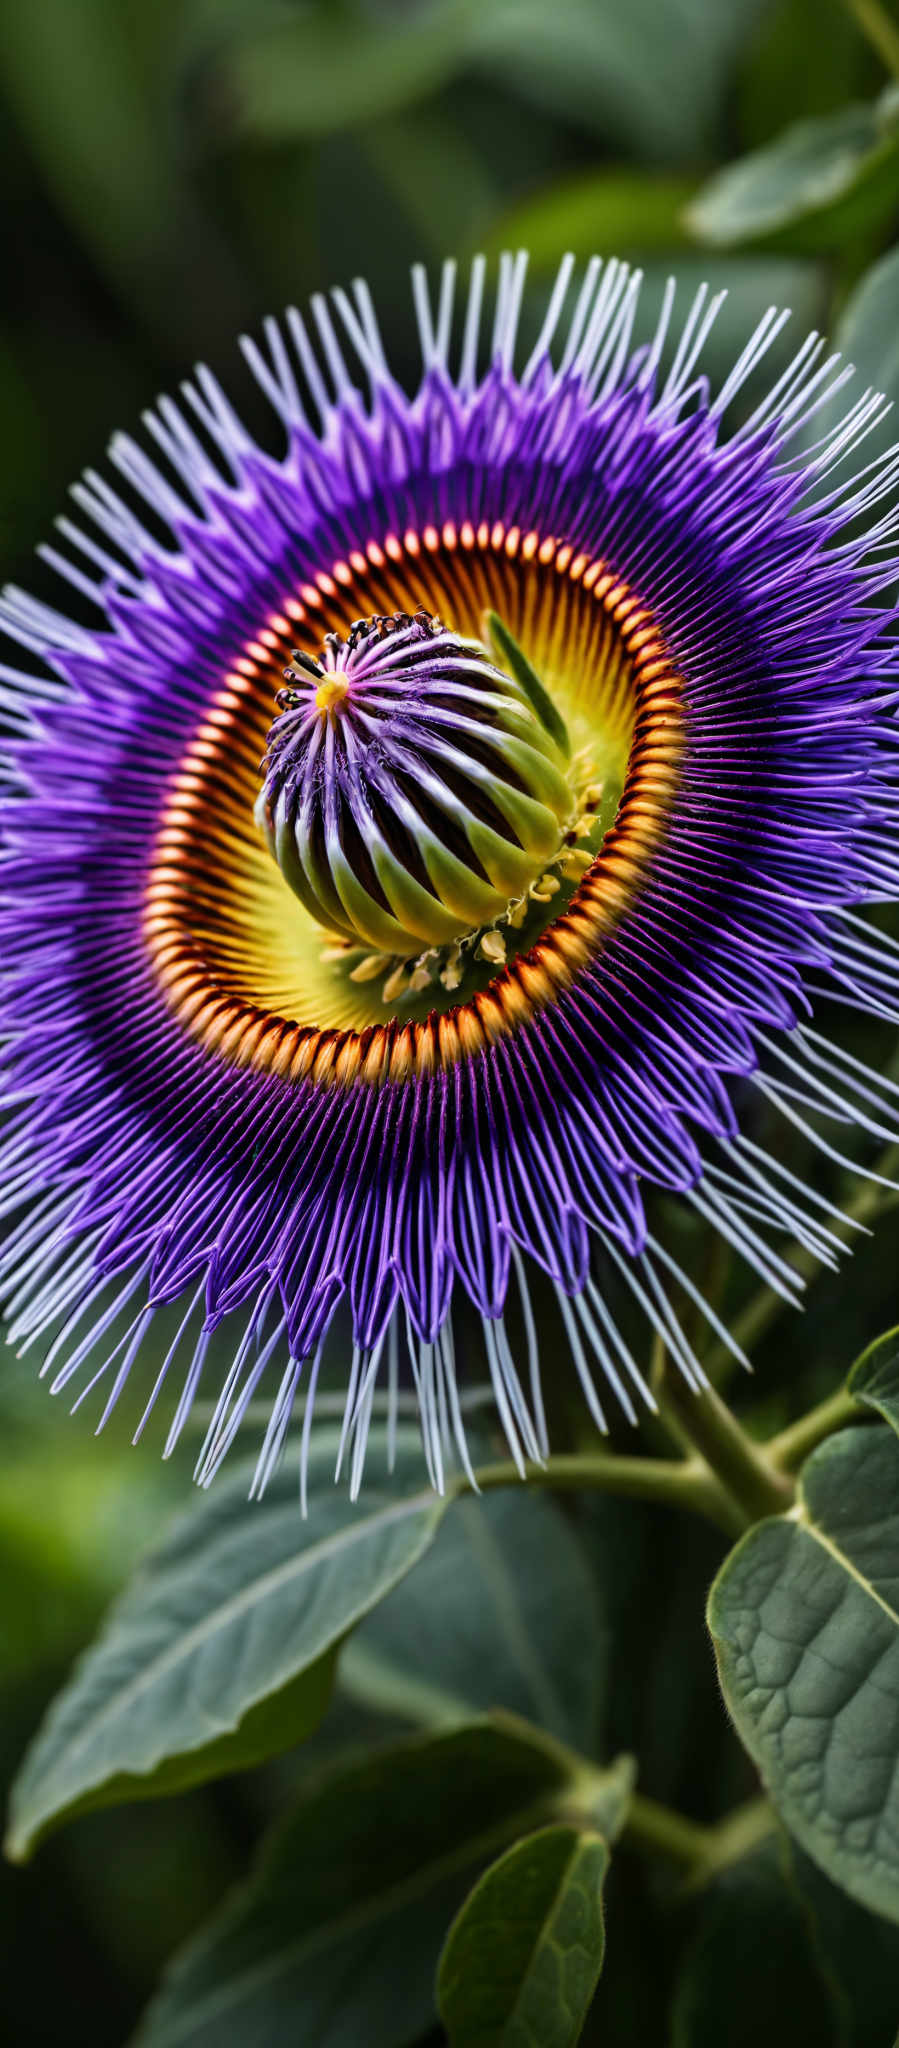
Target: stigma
331	692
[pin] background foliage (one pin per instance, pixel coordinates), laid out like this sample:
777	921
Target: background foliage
172	171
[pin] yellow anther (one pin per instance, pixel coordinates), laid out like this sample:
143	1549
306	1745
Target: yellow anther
369	968
395	984
451	974
574	860
332	691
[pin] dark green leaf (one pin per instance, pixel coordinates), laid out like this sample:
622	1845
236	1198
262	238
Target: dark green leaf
523	1957
868	333
648	77
324	68
811	188
858	1953
335	1939
790	68
874	1379
221	1651
751	283
643	76
755	1910
501	1612
805	1618
623	211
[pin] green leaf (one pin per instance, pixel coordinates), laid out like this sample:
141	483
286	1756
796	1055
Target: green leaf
868	332
750	283
867	335
435	173
335	1938
523	1957
622	210
321	70
858	1953
874	1379
789	46
812	188
650	78
805	1619
83	82
221	1652
501	1612
756	1909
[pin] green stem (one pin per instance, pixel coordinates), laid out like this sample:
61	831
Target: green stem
882	32
790	1446
736	1835
660	1831
674	1482
755	1486
701	1853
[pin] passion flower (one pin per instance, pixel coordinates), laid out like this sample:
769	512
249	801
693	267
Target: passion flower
575	716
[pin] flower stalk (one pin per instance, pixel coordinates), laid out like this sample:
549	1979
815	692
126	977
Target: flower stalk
671	1482
792	1445
879	30
699	1852
753	1484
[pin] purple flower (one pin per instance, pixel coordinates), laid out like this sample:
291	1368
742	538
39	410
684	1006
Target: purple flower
399	986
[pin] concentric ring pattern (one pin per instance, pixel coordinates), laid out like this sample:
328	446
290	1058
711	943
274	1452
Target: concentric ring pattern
206	1113
241	963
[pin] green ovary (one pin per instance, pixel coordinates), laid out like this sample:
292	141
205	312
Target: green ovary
459	835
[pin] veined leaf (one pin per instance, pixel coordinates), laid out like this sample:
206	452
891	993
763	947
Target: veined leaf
618	211
649	77
757	1908
813	187
868	333
321	69
805	1619
523	1956
335	1938
502	1611
221	1651
874	1379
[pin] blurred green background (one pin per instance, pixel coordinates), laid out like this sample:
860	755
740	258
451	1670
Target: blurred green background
172	171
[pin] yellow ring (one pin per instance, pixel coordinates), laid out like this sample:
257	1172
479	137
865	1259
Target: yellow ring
216	909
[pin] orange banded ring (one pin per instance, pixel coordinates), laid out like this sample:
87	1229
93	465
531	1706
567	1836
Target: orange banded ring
235	953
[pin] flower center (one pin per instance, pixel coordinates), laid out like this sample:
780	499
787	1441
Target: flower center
420	798
332	691
243	966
